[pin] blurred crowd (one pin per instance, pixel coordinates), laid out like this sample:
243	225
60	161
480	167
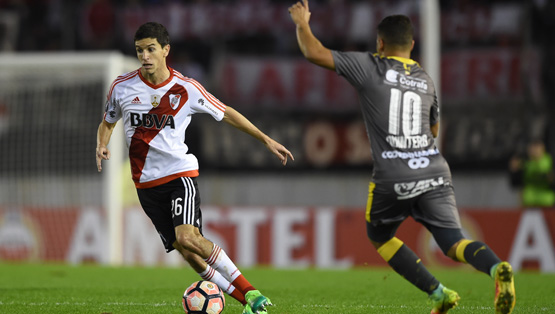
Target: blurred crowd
258	26
254	25
202	30
206	27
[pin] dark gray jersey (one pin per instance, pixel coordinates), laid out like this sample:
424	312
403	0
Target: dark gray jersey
399	104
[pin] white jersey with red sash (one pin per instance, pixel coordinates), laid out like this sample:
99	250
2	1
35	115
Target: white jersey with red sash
155	118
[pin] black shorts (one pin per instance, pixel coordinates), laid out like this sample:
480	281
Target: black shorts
388	206
170	205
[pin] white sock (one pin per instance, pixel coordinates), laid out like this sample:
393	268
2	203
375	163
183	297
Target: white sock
219	261
212	275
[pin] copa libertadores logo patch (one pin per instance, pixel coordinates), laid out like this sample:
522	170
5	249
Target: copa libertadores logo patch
155	100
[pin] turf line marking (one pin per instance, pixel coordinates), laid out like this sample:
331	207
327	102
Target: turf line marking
88	304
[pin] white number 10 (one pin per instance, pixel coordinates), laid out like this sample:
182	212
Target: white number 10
408	121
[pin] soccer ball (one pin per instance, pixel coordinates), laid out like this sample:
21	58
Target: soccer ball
203	297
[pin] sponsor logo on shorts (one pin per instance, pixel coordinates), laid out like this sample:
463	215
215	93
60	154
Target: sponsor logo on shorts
407	190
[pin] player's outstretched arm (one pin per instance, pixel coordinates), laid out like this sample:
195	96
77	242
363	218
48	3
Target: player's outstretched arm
237	120
103	135
310	46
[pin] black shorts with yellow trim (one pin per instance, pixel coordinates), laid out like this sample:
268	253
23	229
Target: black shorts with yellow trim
386	209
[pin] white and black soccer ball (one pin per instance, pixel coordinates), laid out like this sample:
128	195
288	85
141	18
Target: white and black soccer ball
203	297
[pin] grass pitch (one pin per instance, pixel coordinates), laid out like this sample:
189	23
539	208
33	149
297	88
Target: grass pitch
31	288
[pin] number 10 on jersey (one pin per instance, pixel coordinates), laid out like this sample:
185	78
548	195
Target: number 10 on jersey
405	113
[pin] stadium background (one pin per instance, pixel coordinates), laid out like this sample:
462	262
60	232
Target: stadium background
497	93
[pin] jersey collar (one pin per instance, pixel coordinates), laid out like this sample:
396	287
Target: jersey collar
404	60
158	85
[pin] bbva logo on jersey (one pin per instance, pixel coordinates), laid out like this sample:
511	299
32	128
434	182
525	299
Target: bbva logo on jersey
149	120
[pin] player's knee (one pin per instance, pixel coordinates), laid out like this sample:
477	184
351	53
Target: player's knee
379	235
447	239
183	240
456	252
188	240
377	245
451	253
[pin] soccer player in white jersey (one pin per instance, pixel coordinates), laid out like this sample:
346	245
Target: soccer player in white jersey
410	176
156	104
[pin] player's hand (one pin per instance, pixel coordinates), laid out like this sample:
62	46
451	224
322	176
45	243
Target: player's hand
101	153
299	12
279	150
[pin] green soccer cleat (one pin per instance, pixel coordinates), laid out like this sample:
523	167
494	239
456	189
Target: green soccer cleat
256	302
443	300
505	297
248	310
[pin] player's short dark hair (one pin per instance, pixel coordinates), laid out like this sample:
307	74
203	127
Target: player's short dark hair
396	30
153	30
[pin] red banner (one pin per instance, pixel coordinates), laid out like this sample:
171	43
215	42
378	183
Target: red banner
281	237
467	77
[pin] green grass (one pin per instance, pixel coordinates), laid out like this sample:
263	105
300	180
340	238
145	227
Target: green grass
31	288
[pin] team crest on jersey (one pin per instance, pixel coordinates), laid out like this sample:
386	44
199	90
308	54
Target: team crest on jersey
155	100
174	101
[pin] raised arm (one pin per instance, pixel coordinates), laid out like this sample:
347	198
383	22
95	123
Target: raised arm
310	46
237	120
103	135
